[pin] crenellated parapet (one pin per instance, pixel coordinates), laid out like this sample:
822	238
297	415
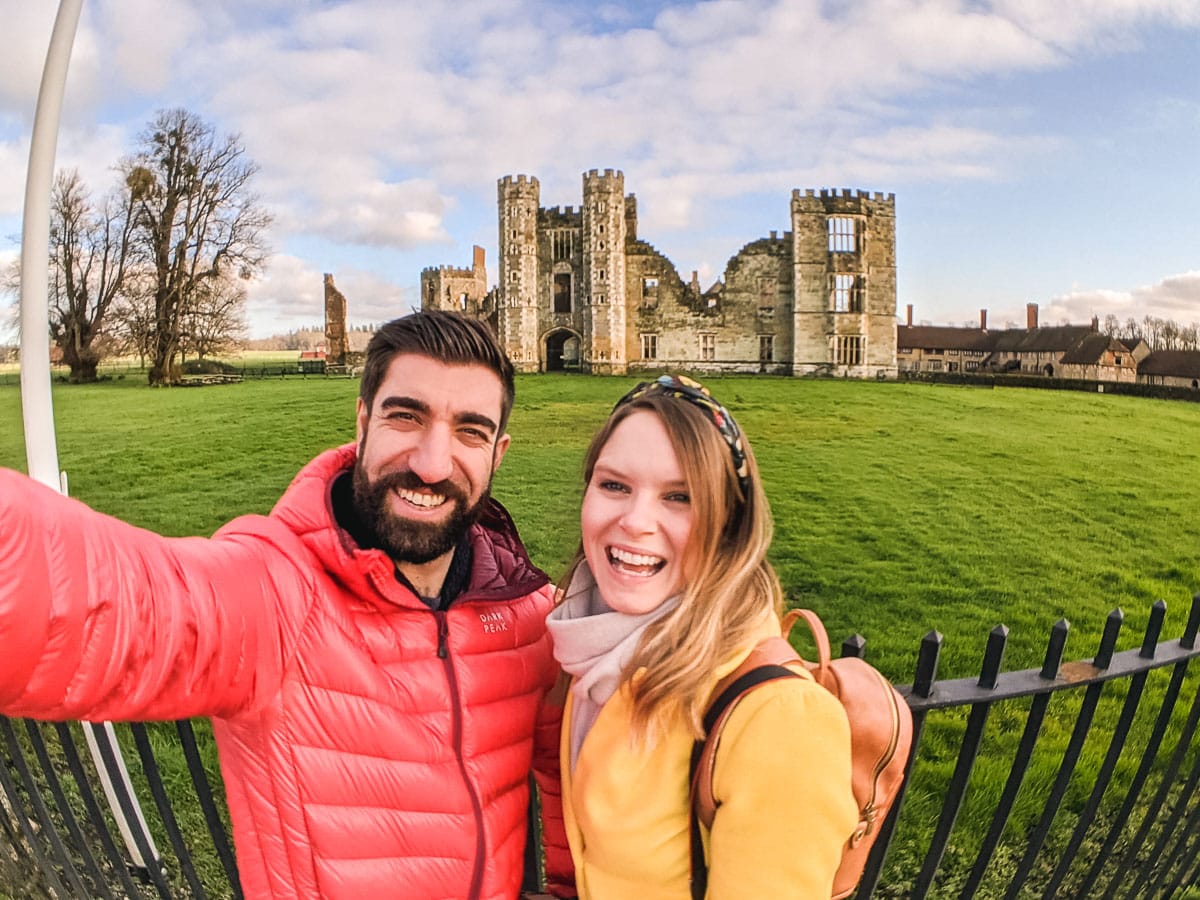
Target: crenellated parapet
447	272
560	217
832	201
519	184
608	180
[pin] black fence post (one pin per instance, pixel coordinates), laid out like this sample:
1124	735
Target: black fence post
968	752
1020	764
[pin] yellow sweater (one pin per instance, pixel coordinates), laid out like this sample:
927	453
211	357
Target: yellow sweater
782	779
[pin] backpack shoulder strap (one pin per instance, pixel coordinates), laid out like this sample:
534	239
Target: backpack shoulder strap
767	662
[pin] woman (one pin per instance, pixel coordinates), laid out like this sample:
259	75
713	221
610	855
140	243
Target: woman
669	592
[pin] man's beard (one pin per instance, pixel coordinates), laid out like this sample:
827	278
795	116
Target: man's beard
406	540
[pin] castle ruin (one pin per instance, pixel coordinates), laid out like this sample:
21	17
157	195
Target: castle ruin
579	290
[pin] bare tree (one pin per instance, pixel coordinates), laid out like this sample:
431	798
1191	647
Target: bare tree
89	253
1168	334
133	315
89	250
215	321
196	218
1189	337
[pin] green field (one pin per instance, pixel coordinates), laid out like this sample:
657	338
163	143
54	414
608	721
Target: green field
900	508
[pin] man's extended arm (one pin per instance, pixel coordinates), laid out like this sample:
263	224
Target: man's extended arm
102	620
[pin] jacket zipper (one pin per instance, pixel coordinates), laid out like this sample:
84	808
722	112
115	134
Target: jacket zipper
456	712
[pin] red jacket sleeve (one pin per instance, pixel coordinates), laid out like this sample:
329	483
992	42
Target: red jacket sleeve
102	620
559	868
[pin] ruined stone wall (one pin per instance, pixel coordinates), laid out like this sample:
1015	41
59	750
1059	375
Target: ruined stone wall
715	330
335	324
457	289
758	304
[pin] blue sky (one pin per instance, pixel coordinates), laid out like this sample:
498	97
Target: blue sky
1039	152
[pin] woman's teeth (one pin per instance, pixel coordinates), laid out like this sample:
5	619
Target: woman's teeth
635	563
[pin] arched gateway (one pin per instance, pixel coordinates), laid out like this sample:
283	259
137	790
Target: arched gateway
562	350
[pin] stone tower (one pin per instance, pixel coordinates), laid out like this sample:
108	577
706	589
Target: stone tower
335	324
603	240
517	294
844	253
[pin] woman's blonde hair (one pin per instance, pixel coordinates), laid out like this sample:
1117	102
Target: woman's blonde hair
729	586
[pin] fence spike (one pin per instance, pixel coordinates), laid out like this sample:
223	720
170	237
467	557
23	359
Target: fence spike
993	655
1158	612
1055	649
927	663
1108	641
855	645
1193	625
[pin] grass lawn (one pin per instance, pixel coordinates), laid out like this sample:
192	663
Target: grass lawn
900	508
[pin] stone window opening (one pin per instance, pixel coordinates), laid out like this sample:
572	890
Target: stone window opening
599	274
847	293
708	347
600	228
462	301
562	245
843	234
513	276
649	346
848	351
562	292
650	291
766	348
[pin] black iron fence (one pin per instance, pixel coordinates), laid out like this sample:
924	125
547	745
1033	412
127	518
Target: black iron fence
1075	779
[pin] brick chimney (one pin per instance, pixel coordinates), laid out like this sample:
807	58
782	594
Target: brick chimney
983	320
1096	323
1031	315
909	322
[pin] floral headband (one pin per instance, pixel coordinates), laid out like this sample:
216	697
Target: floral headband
684	388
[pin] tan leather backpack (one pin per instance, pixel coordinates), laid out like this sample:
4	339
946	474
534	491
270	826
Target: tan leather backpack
880	738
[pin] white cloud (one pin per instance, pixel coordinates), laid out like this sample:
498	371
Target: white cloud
26	33
373	120
1176	297
143	44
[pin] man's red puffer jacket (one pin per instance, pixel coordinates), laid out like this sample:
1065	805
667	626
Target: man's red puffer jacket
370	747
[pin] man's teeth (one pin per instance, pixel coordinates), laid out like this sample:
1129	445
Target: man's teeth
642	563
427	500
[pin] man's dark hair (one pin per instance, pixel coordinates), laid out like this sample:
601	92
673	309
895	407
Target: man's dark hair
441	335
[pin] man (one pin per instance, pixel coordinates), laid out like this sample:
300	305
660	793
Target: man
373	653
